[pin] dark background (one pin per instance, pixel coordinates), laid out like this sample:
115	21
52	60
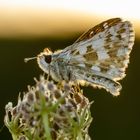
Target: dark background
115	118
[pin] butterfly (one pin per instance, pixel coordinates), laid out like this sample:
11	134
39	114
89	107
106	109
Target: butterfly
98	58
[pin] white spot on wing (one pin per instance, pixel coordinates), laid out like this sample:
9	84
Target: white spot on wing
105	25
112	31
82	46
123	35
82	50
98	41
96	68
113	71
81	65
102	54
122	51
125	62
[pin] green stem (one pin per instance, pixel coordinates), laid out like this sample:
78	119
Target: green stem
45	119
14	136
46	125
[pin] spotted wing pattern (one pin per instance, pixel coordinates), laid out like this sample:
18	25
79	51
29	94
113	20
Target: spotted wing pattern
99	57
105	48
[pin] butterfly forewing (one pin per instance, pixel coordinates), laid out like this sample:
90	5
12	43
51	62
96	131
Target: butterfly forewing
107	50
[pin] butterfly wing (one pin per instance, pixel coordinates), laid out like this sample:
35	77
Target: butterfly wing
104	48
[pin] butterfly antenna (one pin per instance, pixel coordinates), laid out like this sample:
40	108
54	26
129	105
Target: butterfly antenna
28	59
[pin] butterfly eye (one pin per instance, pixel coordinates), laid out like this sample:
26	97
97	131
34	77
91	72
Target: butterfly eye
48	58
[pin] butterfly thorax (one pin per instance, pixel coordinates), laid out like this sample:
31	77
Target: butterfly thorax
58	69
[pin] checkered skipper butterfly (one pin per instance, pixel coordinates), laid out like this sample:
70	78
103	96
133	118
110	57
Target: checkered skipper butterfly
98	58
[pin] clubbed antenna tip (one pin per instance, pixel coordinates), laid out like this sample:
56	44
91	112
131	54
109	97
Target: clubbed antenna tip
28	59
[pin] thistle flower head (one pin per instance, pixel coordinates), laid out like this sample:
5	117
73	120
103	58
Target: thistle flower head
49	111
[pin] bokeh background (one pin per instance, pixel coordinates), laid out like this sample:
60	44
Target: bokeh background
28	26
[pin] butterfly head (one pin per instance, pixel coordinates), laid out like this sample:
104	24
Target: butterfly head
44	59
45	56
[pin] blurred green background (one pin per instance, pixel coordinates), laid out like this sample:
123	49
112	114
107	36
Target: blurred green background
27	33
114	117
